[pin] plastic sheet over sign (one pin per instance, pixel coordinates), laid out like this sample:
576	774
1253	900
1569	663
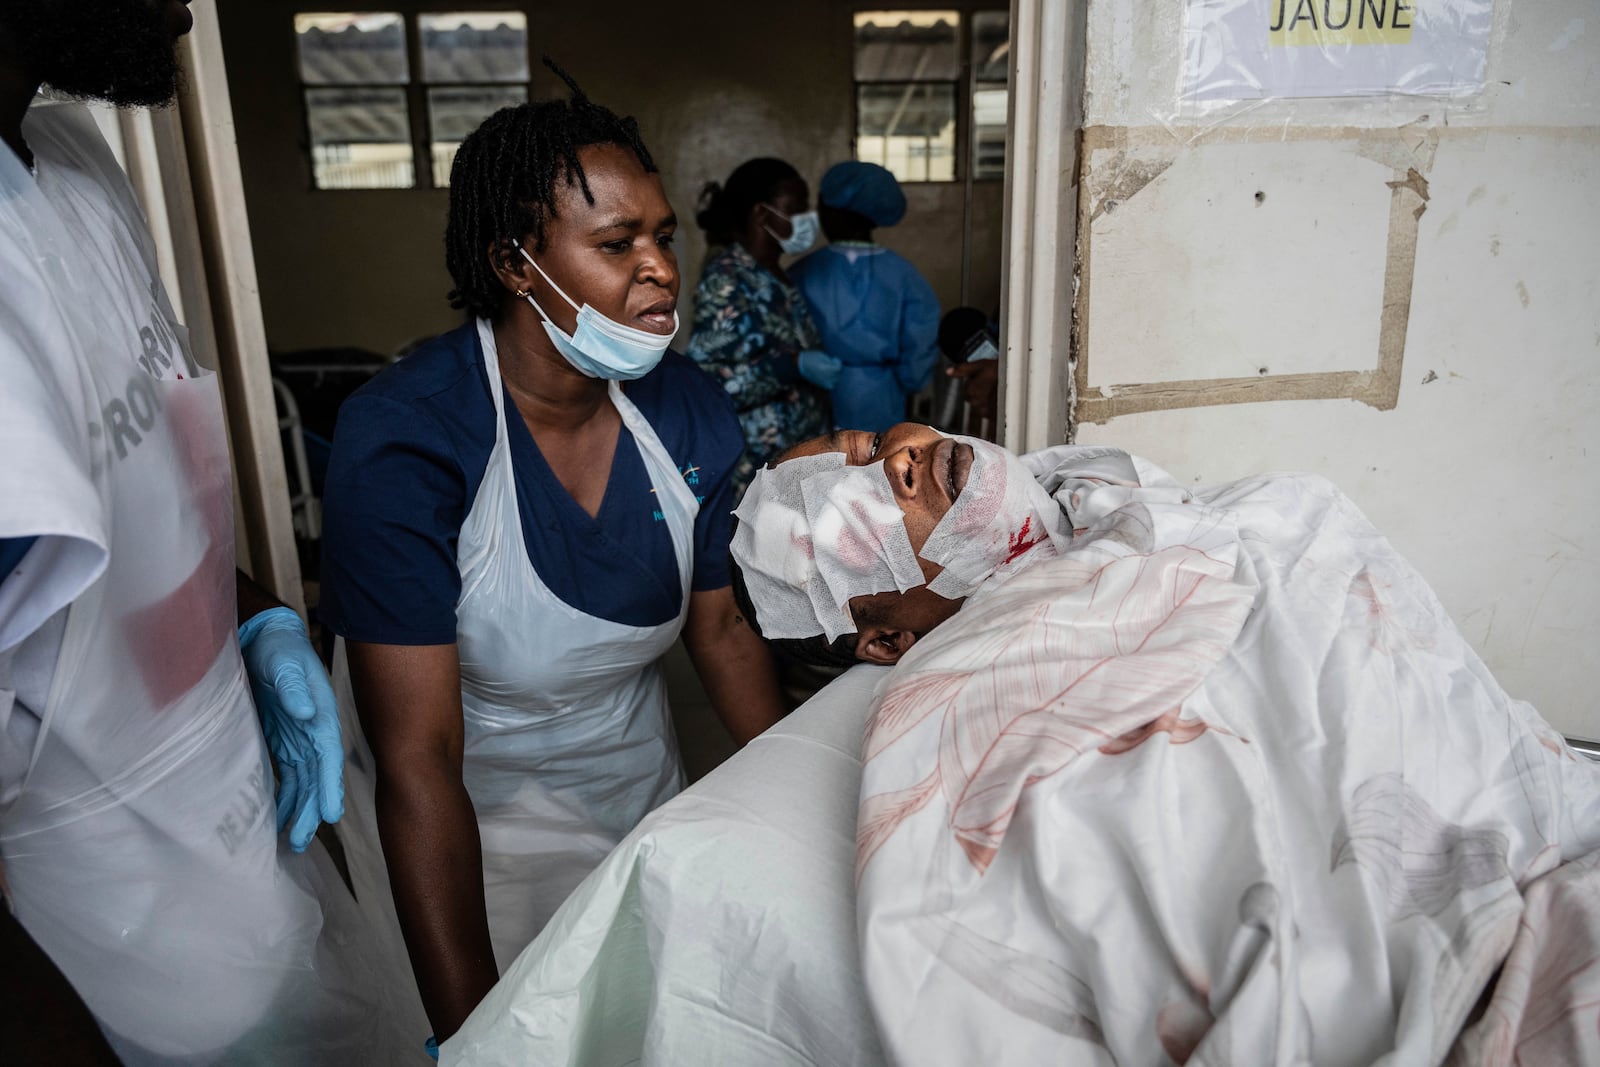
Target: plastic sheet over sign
1265	49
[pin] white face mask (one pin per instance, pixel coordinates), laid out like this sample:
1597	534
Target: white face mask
802	233
602	347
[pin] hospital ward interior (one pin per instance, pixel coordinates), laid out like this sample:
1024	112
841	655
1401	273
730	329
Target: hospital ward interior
811	534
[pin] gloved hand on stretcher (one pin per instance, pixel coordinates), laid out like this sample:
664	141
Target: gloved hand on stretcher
300	718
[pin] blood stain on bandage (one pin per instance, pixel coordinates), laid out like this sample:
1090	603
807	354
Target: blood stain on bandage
1018	544
855	549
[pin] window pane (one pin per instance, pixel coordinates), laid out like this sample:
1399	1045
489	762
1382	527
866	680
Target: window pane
471	46
989	133
909	128
344	47
360	138
456	111
907	46
991	46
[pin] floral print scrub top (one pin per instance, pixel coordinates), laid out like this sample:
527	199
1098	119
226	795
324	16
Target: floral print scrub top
749	326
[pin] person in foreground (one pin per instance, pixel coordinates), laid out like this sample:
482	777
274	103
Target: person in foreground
1168	775
522	516
136	771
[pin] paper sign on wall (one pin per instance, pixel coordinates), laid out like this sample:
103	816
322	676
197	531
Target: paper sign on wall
1259	49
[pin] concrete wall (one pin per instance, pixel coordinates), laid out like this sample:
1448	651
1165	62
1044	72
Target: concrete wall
712	84
1402	294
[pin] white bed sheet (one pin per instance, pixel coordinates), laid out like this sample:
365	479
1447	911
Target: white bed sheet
1222	785
721	931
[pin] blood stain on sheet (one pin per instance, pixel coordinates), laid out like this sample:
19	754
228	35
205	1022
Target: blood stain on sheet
1180	1027
1182	733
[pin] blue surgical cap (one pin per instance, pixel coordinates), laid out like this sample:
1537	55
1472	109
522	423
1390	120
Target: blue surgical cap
865	188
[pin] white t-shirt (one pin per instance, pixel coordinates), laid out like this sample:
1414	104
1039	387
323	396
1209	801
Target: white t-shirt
46	486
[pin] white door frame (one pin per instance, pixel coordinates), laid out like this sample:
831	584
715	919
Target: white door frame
1039	260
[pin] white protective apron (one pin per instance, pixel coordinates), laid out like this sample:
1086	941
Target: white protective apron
568	738
141	847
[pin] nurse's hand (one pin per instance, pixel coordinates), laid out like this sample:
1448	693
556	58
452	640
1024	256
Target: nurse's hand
300	718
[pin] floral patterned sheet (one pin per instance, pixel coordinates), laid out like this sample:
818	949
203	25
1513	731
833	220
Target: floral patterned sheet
1222	785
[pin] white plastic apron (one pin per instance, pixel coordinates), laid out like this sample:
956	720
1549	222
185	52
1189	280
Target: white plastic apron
568	738
141	849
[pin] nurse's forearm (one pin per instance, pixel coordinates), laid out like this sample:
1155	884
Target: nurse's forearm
733	663
435	861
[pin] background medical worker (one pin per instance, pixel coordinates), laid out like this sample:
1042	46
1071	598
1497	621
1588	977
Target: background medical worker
876	313
522	516
752	329
136	806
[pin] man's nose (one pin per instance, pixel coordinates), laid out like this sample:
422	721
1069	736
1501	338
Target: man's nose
898	464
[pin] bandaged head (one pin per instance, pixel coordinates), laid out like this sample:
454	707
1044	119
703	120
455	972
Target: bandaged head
815	533
1002	518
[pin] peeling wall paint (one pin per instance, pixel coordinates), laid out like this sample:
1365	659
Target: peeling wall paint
1122	175
1401	294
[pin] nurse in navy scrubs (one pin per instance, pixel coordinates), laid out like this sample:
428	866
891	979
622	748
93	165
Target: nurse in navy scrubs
522	516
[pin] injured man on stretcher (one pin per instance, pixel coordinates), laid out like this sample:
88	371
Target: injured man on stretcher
1159	775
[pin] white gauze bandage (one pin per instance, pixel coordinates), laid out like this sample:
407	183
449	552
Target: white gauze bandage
859	534
813	533
1002	517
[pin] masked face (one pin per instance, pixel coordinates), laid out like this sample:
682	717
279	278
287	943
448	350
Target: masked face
786	217
605	284
119	51
802	230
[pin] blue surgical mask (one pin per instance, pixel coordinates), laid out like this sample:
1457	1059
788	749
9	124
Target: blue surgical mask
802	233
599	346
983	350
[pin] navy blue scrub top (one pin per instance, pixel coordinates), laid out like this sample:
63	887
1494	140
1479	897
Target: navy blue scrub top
411	449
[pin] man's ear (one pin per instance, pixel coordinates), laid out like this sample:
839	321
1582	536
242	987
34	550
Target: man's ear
881	644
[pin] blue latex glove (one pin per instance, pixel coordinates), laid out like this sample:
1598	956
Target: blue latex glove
819	368
300	718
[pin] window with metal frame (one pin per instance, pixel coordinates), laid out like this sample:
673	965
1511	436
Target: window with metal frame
907	75
930	87
369	77
991	74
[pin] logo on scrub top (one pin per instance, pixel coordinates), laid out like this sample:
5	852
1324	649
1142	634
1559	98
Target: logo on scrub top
691	478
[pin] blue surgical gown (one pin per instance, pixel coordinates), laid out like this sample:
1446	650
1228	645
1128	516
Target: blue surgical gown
881	320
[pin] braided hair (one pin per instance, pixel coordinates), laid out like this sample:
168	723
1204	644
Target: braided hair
504	178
